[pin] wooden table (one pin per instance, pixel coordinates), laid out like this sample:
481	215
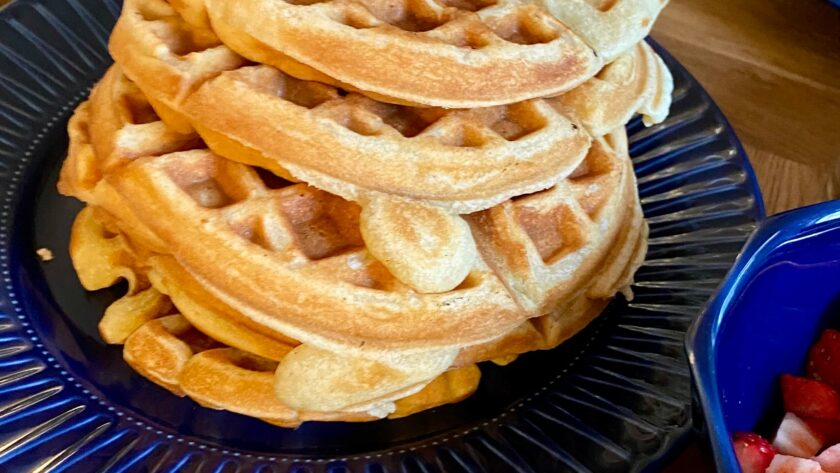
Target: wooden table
773	66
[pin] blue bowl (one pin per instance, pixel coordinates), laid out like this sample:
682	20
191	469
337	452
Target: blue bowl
783	290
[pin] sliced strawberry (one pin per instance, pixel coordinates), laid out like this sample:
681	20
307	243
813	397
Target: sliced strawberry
826	429
754	452
830	459
823	359
795	437
809	398
787	464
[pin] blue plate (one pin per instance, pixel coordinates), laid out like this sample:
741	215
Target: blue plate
616	398
781	293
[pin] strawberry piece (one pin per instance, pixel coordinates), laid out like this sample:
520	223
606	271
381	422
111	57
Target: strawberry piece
826	429
809	398
795	437
754	452
823	359
830	459
788	464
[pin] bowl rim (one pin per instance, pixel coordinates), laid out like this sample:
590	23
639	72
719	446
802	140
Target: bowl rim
701	338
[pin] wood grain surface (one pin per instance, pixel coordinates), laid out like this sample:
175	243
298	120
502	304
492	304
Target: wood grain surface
773	66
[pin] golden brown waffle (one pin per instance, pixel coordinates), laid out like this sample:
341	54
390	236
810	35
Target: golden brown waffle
119	125
357	148
297	257
101	258
636	82
367	325
385	34
410	373
360	149
166	57
348	145
551	329
250	222
610	27
304	225
546	246
615	273
455	54
325	289
432	239
168	350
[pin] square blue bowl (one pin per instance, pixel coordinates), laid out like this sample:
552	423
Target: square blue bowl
783	290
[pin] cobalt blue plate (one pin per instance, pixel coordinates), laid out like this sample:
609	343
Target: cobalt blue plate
616	398
781	293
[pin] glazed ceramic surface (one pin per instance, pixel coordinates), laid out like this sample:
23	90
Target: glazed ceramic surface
783	291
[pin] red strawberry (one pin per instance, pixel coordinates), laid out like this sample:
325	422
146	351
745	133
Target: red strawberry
824	359
826	429
786	464
830	459
796	438
808	398
753	451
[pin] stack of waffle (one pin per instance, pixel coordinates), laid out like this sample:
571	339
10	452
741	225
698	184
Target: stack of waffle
333	210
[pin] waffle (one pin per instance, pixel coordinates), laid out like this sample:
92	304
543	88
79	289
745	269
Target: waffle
610	27
366	324
324	284
636	82
301	265
405	373
163	344
305	227
162	348
116	125
329	234
320	244
327	41
454	54
360	149
166	57
615	273
606	172
546	246
119	125
352	146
